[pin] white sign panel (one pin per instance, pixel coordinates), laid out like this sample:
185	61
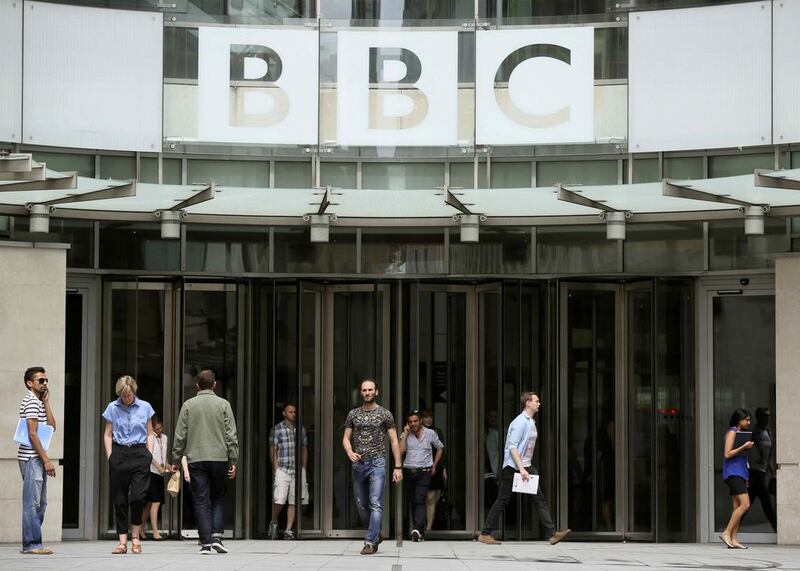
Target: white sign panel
534	86
786	73
257	85
397	88
92	77
700	77
10	71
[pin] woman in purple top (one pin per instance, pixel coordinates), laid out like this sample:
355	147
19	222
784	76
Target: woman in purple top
736	474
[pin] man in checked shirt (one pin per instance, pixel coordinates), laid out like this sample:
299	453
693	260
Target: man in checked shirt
283	454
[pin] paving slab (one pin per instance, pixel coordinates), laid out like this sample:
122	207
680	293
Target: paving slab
343	554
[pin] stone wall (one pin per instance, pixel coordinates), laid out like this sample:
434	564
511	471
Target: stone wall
32	305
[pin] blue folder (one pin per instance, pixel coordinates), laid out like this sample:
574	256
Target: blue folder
45	432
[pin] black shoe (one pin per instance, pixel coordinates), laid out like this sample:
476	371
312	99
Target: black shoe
216	545
369	549
415	535
206	550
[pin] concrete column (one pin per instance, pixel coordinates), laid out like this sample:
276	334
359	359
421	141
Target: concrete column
32	305
787	387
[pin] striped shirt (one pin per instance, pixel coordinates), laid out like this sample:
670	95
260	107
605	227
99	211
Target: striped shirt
30	407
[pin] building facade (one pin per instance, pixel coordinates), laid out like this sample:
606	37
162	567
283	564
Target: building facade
462	199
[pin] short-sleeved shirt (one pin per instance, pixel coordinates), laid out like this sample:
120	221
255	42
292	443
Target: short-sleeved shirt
283	438
160	450
419	451
129	423
369	430
30	407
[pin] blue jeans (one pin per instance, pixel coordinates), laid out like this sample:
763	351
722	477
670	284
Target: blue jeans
34	502
208	481
368	479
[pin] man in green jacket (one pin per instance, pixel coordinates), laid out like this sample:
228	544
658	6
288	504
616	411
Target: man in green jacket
206	435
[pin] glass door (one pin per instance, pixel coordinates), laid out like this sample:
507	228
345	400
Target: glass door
356	345
442	385
741	342
591	407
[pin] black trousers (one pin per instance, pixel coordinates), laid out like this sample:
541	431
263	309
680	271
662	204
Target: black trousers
208	481
417	486
130	481
758	489
504	497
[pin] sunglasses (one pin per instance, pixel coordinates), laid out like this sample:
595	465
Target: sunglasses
42	380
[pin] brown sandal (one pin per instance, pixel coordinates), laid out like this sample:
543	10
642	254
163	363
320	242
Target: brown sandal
120	549
136	547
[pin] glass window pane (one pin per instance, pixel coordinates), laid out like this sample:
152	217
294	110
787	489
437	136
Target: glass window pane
340	175
462	175
511	175
136	246
228	173
294	252
293	175
683	168
79	234
395	251
574	250
235	249
180	53
664	247
82	164
118	168
402	176
795	160
500	250
731	249
171	170
549	173
645	170
732	165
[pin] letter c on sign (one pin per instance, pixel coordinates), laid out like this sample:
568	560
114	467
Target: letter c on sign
503	96
257	101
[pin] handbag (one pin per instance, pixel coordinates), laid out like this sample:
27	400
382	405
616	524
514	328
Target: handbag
174	484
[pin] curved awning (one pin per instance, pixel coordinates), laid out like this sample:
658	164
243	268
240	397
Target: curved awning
24	182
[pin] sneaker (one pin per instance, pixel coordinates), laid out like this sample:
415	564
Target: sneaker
289	534
206	550
216	545
558	536
415	535
369	549
488	539
273	529
39	551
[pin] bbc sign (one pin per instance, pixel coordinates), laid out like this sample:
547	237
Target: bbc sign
394	88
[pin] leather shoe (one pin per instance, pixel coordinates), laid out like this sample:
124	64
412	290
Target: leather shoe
558	536
487	539
369	549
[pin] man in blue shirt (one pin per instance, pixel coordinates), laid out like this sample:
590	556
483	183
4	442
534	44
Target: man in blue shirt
520	444
417	443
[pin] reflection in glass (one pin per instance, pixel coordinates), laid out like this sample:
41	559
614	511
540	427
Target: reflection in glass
501	249
79	234
730	249
549	173
294	251
591	393
136	246
73	383
664	247
402	176
744	376
574	250
226	249
228	173
402	251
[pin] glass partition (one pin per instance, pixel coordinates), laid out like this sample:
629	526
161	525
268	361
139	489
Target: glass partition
402	251
227	249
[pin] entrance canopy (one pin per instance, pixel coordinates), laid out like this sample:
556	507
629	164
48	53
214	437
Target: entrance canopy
29	187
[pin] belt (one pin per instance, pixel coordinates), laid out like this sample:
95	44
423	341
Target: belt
131	445
415	470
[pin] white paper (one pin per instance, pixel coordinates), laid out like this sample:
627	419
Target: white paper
522	487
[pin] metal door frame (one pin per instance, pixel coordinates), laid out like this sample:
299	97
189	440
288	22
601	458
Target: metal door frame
474	458
707	290
620	406
328	436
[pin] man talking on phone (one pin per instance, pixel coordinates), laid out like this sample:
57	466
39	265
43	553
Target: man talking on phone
33	460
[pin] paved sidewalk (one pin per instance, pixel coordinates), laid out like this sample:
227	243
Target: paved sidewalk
430	555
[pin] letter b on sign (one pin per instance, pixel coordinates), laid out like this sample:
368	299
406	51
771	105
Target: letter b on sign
258	101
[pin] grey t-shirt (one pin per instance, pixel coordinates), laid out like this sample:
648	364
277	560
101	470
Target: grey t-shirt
369	430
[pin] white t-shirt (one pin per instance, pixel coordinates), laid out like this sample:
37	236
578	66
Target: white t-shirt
159	452
527	456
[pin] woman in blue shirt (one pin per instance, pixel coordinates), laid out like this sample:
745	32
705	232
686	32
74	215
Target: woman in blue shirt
736	475
128	440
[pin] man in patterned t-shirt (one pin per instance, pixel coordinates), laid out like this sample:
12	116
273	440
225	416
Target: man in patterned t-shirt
34	464
367	426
